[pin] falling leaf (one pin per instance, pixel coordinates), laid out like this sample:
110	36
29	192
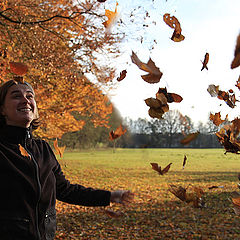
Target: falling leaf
184	161
122	75
190	137
213	90
238	83
18	68
101	0
112	16
24	152
236	61
117	133
59	150
205	61
159	170
154	75
194	197
216	118
173	22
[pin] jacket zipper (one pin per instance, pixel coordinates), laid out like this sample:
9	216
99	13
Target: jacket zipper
38	183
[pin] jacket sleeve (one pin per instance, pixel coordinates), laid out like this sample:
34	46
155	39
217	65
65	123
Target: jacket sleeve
75	193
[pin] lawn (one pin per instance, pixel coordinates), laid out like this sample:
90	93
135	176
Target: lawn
155	213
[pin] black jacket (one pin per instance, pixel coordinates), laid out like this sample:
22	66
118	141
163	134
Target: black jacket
29	187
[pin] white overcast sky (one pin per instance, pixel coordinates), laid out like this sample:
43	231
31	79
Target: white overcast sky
208	26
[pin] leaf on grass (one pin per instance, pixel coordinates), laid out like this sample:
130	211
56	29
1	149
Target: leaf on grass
212	187
216	118
159	170
112	16
236	61
23	151
188	138
117	133
122	75
18	68
59	150
205	61
114	214
154	75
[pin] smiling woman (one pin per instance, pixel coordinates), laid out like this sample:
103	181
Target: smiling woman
31	178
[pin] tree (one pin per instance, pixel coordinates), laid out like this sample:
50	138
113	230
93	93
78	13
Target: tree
60	42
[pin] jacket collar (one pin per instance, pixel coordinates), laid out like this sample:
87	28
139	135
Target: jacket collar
14	134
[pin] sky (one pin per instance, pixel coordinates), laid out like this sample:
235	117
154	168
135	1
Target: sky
208	26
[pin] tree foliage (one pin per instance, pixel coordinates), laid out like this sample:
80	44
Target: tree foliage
60	41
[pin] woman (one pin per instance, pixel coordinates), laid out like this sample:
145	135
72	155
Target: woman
30	185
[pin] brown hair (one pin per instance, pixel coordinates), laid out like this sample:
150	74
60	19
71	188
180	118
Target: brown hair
3	92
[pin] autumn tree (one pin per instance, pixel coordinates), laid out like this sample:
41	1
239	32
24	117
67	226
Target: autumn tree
61	42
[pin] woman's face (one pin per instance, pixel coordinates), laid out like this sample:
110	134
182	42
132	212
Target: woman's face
19	108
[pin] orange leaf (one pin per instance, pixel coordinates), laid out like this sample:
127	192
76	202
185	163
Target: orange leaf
205	61
111	17
117	133
190	137
216	119
24	152
154	75
236	61
18	68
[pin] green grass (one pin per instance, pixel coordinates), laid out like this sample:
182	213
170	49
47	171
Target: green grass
156	213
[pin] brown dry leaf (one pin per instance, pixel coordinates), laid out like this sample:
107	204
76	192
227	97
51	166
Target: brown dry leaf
213	90
236	61
155	113
24	152
122	75
18	68
190	137
205	61
174	23
153	103
154	75
113	214
171	97
101	0
216	118
59	150
159	170
111	17
184	161
117	133
194	197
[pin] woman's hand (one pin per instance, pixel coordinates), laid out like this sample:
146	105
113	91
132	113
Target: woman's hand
122	196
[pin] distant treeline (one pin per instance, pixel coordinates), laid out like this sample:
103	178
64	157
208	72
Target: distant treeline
143	133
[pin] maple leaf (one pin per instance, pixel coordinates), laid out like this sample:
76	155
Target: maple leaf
236	61
205	61
159	170
188	138
122	75
112	16
59	150
117	133
154	75
238	83
24	152
18	68
216	118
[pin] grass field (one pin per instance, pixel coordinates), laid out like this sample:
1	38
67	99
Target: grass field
155	213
